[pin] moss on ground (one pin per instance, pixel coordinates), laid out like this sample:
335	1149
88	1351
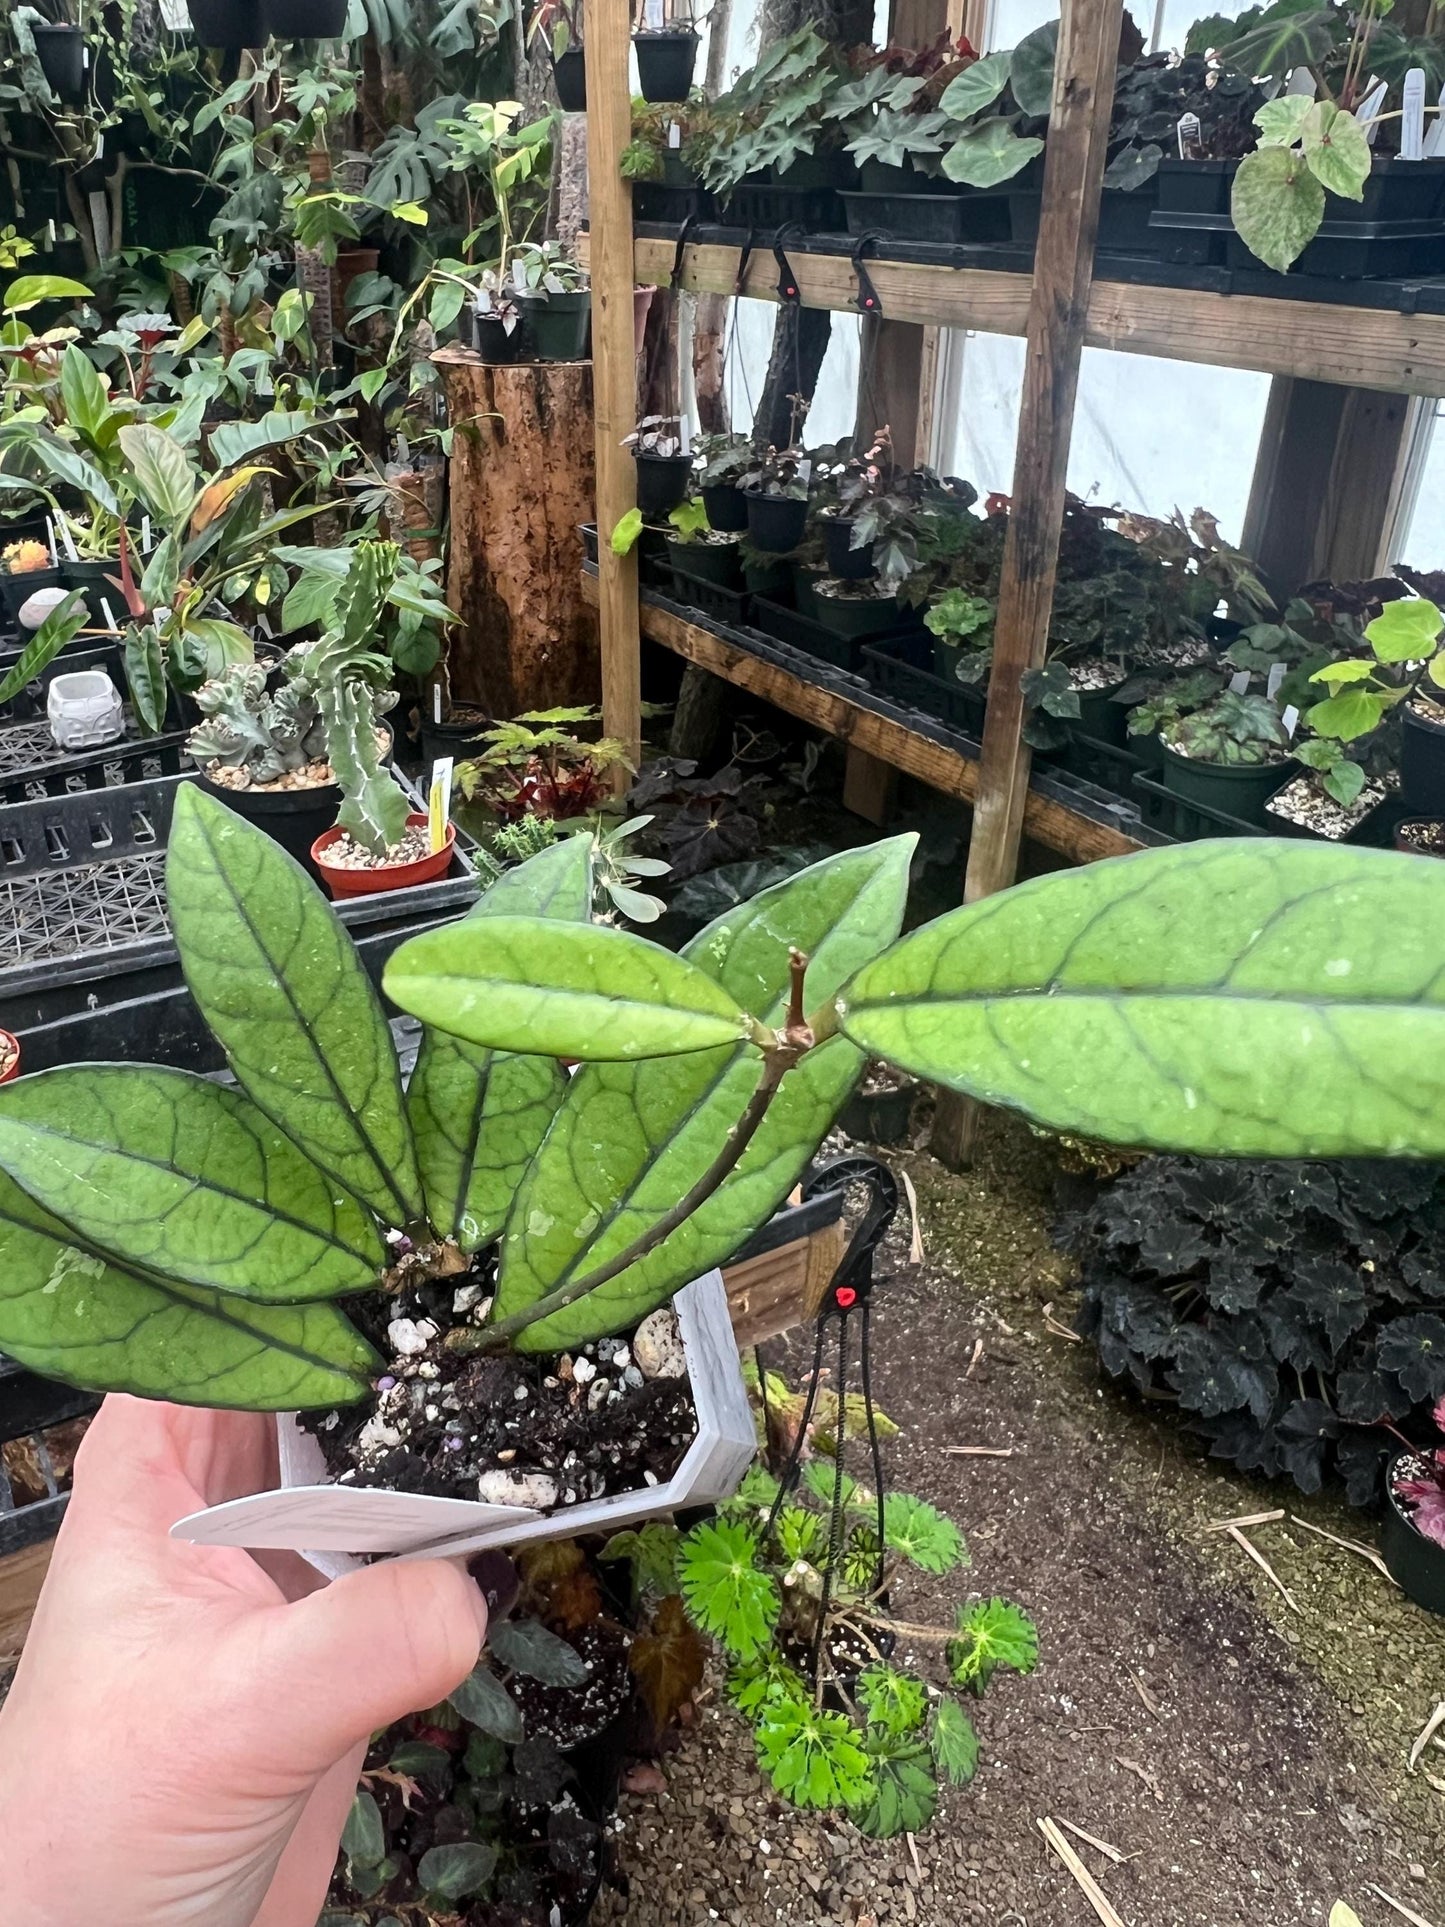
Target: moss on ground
1381	1658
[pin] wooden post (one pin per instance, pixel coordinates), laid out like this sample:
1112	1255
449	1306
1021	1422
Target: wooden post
607	31
521	485
1063	275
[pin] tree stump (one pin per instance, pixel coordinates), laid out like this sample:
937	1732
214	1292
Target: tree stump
521	483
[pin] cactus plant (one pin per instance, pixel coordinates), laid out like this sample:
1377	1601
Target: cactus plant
248	727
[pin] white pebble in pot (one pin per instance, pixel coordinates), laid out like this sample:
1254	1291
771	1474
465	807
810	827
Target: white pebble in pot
409	1337
657	1346
582	1370
533	1489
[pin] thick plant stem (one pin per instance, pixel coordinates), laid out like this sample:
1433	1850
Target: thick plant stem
775	1064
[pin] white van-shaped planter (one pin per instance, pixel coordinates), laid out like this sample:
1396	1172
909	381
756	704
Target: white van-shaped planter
335	1524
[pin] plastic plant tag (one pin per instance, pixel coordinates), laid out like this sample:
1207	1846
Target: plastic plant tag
1277	673
1302	81
439	803
1412	119
652	16
108	613
1191	138
324	1521
1239	682
1368	110
1290	719
674	134
1435	139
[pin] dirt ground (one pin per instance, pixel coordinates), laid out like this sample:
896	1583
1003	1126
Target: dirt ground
1248	1757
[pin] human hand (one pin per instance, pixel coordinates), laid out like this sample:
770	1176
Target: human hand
183	1737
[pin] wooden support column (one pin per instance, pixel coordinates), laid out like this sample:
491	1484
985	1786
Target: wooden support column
1063	275
607	31
1327	481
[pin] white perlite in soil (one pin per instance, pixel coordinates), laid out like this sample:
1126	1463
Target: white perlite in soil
347	854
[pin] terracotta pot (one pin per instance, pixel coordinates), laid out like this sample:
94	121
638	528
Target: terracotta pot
396	876
8	1038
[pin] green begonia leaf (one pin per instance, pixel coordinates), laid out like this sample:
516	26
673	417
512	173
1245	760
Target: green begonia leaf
1405	630
1279	121
185	1178
1303	1015
584	992
1336	149
988	154
479	1115
1032	69
977	87
279	982
1276	205
1353	713
630	1140
74	1315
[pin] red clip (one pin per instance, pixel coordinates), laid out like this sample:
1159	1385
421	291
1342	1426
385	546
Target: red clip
845	1296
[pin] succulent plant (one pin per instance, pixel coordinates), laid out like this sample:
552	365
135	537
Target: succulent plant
252	728
22	558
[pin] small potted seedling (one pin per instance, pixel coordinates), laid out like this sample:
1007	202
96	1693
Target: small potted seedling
961	625
775	488
664	464
666	52
1230	755
1413	1535
1405	670
497	330
854	609
724	460
702	553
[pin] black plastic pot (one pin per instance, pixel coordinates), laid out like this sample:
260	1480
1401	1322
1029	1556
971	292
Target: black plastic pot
1124	218
665	63
1238	789
725	507
860	618
1402	840
1191	188
16	591
1416	1563
495	342
844	561
228	23
558	323
60	49
806	577
661	483
1422	763
880	1117
456	739
1100	717
292	818
775	522
304	19
773	579
92	579
569	71
717	562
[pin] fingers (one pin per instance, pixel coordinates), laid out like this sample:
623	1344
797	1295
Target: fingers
367	1650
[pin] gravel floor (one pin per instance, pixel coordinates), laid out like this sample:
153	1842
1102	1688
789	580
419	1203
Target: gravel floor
1169	1715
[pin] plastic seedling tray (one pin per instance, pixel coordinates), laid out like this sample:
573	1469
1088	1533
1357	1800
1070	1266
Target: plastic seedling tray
29	1406
765	205
728	606
1184	821
1102	763
942	219
899	669
331	1522
33	765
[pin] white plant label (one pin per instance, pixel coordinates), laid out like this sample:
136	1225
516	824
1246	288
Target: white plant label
1435	139
652	16
436	703
1240	682
145	534
1368	110
1190	135
110	621
1290	719
50	538
684	436
439	803
674	134
177	16
1277	673
1302	81
1412	122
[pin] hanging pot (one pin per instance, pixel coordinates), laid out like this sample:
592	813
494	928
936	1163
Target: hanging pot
228	23
775	522
665	62
304	19
60	49
569	71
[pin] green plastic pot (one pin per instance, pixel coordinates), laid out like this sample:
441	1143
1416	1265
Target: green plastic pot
1101	717
770	579
856	617
558	323
717	562
1238	789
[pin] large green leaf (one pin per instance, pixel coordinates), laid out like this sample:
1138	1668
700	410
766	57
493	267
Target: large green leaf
1252	998
478	1115
1276	205
630	1140
1286	37
977	87
989	153
59	629
161	471
75	1316
279	982
1336	149
1032	69
564	990
185	1178
87	405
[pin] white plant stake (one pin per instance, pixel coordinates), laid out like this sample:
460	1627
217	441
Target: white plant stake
1435	139
1412	123
1367	113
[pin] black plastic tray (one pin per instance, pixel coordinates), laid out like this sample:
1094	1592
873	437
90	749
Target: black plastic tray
82	900
1182	820
711	598
802	632
1341	250
902	668
29	1406
767	205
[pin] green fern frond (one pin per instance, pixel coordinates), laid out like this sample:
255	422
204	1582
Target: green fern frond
991	1633
724	1588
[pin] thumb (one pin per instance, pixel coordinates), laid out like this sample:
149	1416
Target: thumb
367	1650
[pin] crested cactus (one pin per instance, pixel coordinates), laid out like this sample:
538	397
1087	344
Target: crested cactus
248	727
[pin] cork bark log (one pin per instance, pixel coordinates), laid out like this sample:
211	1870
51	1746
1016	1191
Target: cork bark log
521	483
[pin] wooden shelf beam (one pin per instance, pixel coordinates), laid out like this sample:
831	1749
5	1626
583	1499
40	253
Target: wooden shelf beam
1358	347
1046	820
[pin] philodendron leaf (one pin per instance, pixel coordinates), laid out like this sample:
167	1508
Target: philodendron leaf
478	1116
630	1140
1276	205
75	1316
1259	999
279	982
185	1178
569	990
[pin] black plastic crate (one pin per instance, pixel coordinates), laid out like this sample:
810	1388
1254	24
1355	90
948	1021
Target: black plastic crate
767	205
943	219
1182	820
82	899
29	1407
1104	764
817	639
901	669
33	765
724	605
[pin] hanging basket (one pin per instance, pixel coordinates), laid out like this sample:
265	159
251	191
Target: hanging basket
60	49
228	23
305	19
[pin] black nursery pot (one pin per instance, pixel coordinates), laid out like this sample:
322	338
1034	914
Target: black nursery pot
661	483
495	343
1416	1563
717	562
60	49
304	19
775	522
93	580
569	71
16	591
879	1117
844	561
1422	763
726	508
665	62
228	23
558	323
